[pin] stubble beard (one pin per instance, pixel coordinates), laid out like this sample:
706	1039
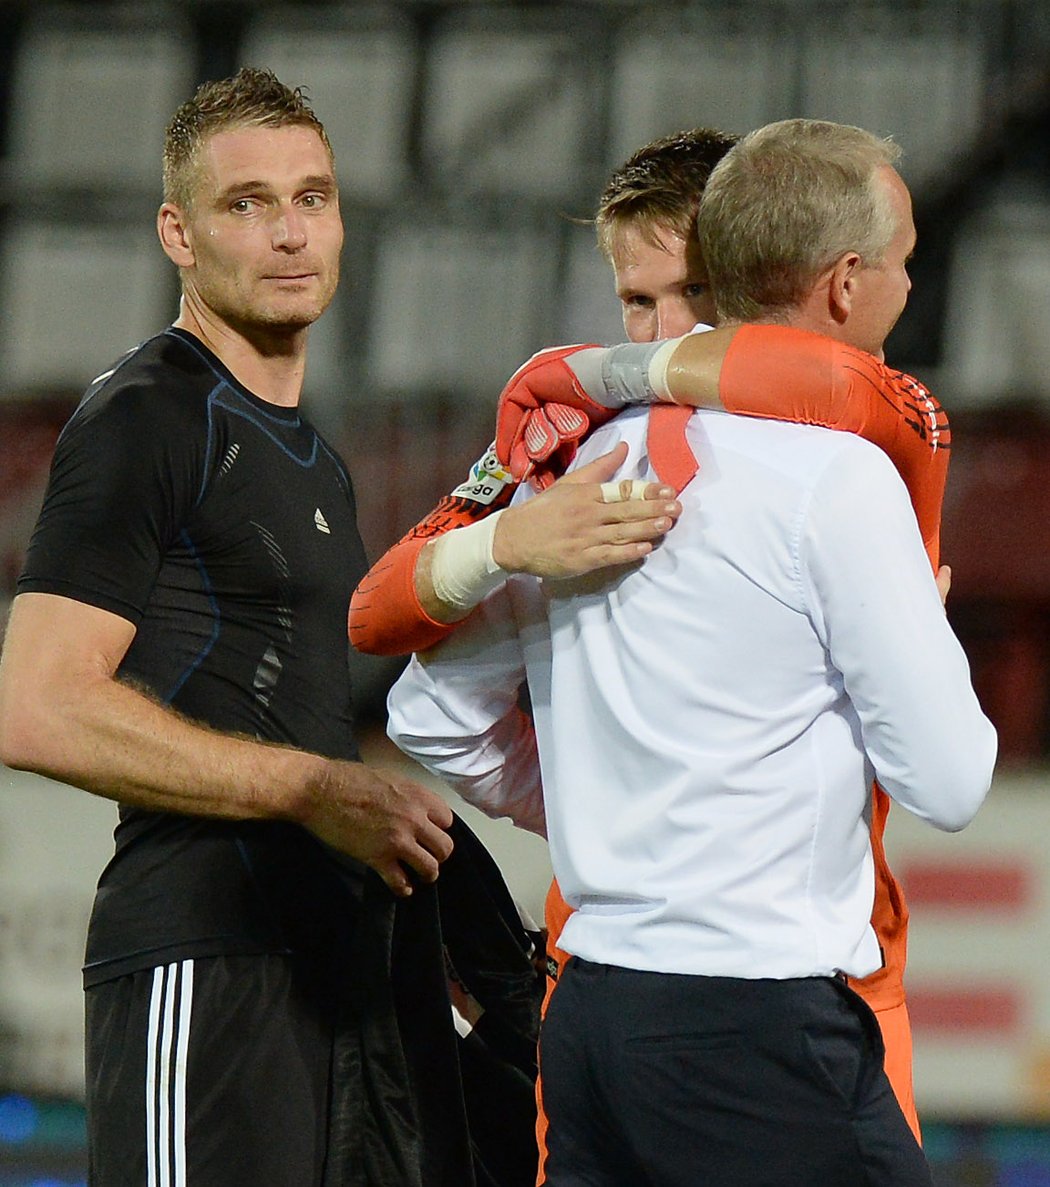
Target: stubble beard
273	319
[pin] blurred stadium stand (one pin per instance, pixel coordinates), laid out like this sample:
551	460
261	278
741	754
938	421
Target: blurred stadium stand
472	139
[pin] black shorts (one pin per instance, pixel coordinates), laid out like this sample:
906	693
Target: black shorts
212	1072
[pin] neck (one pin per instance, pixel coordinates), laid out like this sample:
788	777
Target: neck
271	363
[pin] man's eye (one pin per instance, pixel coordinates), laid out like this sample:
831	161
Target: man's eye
695	290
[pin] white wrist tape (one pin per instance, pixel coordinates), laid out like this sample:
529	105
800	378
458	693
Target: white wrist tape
461	568
632	373
625	372
658	370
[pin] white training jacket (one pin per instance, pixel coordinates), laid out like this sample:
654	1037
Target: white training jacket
708	723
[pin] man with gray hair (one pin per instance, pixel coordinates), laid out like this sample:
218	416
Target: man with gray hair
794	200
708	723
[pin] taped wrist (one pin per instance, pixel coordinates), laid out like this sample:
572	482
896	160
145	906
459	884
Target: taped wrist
461	568
632	373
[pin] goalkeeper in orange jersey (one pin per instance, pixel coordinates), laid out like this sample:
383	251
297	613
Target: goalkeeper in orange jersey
646	230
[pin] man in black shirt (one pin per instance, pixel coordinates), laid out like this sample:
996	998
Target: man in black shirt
178	644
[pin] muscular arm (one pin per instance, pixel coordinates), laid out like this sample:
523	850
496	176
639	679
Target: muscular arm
64	713
566	531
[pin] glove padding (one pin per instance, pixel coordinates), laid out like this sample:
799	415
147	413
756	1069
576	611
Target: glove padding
543	414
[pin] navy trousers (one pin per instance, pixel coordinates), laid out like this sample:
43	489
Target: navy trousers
663	1080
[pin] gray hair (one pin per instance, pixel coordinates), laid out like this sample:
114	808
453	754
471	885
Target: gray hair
786	202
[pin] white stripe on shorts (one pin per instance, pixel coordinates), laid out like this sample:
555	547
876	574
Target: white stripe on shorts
170	1007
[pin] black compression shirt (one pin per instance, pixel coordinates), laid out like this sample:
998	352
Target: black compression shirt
223	527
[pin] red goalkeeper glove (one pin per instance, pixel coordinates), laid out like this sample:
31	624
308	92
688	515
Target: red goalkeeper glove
543	414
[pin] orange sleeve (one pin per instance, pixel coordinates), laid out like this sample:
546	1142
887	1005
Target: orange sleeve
385	616
794	375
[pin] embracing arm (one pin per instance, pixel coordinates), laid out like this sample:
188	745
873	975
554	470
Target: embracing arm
768	371
879	613
783	373
65	713
417	593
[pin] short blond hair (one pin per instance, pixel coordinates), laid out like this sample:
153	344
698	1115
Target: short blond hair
658	188
784	204
251	97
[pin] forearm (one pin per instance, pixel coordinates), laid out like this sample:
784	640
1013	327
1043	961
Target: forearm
879	613
428	583
65	713
110	739
455	711
394	610
782	373
420	590
770	371
497	771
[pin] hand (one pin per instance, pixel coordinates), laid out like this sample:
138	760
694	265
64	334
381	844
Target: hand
543	412
550	436
569	529
384	820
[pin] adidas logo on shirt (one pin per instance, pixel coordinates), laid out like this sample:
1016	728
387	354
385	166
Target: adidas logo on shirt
321	523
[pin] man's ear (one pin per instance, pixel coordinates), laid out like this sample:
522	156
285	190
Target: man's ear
173	230
842	286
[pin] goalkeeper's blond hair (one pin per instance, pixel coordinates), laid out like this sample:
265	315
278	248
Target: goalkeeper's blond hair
658	188
783	205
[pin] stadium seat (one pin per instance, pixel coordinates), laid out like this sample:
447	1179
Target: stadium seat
731	68
509	104
997	320
454	303
92	89
590	311
919	77
73	297
357	66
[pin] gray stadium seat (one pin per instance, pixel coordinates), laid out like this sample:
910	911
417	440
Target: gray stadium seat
74	297
997	323
509	104
590	311
919	80
357	66
728	68
455	305
92	90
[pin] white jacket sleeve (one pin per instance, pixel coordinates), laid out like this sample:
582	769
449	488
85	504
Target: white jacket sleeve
455	711
870	588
